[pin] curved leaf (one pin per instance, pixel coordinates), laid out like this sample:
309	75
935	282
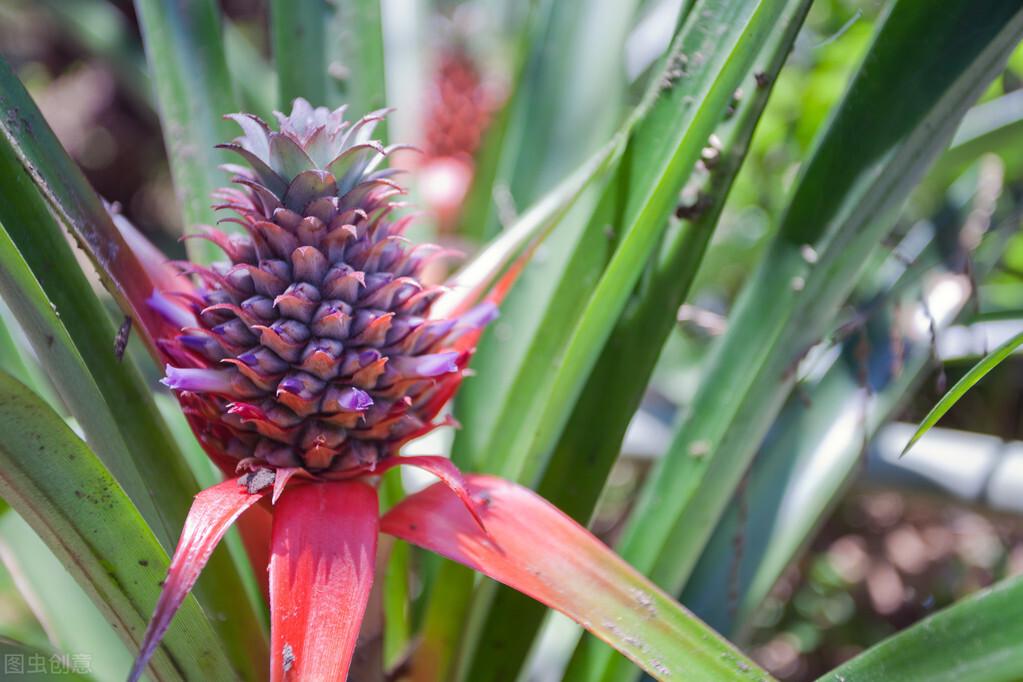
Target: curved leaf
71	621
841	207
976	373
583	456
533	547
976	639
38	172
359	38
62	490
815	447
70	374
212	513
72	332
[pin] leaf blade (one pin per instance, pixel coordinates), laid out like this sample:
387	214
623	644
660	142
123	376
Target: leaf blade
73	332
194	91
298	37
968	381
842	205
76	507
582	459
533	547
976	639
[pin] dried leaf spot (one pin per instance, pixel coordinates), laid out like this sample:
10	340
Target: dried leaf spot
700	448
625	637
677	68
121	340
660	667
482	499
644	600
257	480
288	654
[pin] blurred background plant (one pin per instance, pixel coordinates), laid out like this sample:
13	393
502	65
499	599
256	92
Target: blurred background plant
770	348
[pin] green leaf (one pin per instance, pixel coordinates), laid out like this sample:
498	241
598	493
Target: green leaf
69	498
584	455
552	78
70	373
976	639
193	91
18	657
67	615
41	173
816	445
976	373
161	484
298	36
507	430
571	95
73	334
360	39
995	126
251	72
479	218
841	208
15	361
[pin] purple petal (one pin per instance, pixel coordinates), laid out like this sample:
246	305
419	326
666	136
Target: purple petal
354	400
171	310
198	380
480	316
249	358
291	385
431	365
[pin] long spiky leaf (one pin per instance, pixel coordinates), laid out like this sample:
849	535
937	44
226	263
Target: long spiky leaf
533	547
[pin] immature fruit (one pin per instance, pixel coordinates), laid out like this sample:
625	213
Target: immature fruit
460	107
314	347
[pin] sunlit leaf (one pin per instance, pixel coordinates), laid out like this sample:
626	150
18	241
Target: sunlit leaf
842	205
77	508
968	381
186	61
583	456
976	639
531	546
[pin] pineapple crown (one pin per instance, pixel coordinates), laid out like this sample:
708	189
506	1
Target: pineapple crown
312	346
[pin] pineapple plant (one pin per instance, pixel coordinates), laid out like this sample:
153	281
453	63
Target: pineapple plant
313	354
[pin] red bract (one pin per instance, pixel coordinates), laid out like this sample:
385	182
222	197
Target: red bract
304	363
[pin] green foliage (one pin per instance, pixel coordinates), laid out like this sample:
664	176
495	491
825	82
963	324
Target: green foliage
744	163
194	91
77	507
